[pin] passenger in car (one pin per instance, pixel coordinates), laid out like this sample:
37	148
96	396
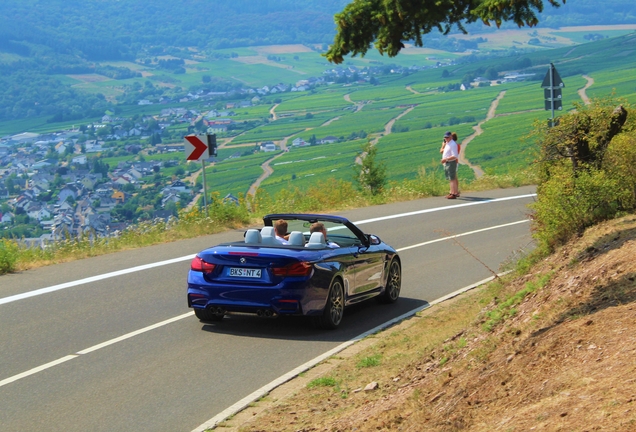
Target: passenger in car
280	226
320	227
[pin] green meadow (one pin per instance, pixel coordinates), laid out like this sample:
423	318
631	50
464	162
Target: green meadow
502	147
367	120
334	110
622	83
236	175
404	154
305	166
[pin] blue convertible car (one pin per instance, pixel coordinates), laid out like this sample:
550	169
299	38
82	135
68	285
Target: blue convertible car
311	275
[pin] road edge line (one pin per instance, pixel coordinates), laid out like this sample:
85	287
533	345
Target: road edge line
267	388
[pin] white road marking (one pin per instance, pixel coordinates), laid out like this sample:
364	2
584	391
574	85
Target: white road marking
436	209
53	288
93	348
263	391
180	317
92	279
36	370
461	235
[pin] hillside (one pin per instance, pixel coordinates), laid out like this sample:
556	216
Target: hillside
50	50
550	350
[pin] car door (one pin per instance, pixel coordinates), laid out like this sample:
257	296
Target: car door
369	266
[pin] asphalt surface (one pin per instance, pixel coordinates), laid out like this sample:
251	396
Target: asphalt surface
123	352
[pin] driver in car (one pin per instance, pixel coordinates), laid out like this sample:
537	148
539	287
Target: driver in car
320	227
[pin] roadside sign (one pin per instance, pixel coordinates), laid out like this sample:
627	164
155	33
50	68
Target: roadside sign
553	104
552	85
196	147
553	81
552	93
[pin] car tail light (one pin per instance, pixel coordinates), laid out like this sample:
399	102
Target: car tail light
199	265
297	269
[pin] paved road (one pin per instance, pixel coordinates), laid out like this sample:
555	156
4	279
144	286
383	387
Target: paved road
124	353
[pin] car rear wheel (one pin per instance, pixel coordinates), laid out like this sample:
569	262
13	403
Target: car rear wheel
393	283
334	309
208	315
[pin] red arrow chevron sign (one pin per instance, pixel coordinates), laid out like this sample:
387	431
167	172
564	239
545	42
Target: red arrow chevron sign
195	148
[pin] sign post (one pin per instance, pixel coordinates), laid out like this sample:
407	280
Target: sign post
201	147
552	85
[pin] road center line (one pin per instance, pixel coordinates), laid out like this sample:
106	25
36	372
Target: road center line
451	207
91	349
71	284
180	317
461	235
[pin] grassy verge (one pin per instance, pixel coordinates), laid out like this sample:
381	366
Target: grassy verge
541	348
331	195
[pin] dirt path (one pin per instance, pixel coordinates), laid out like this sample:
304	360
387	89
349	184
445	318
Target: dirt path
328	122
388	128
359	105
409	88
267	169
478	131
273	112
582	91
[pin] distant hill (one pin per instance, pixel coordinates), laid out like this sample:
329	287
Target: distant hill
124	30
41	41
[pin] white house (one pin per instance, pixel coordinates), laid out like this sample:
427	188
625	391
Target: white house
268	147
299	142
79	160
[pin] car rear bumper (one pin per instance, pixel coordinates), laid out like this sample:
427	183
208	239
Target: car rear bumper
292	299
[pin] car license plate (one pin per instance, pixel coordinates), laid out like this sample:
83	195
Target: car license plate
245	272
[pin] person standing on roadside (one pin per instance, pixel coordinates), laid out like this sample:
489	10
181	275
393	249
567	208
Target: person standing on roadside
450	158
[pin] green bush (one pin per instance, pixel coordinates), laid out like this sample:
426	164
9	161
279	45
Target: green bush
586	172
9	253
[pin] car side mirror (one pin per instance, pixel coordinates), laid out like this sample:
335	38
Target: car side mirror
373	239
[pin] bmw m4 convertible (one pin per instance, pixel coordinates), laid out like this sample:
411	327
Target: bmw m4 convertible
315	266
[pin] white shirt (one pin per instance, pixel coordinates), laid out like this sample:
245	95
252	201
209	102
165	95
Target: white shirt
450	150
282	240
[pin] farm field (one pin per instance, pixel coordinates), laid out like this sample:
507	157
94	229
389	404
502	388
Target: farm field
307	166
346	110
235	176
501	147
406	153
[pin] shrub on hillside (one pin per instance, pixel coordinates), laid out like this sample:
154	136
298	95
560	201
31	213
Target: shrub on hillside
9	252
586	171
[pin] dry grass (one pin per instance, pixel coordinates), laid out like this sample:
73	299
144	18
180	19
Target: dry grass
558	357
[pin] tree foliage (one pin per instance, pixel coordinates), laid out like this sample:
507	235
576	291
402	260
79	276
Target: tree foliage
390	23
582	137
369	173
586	172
